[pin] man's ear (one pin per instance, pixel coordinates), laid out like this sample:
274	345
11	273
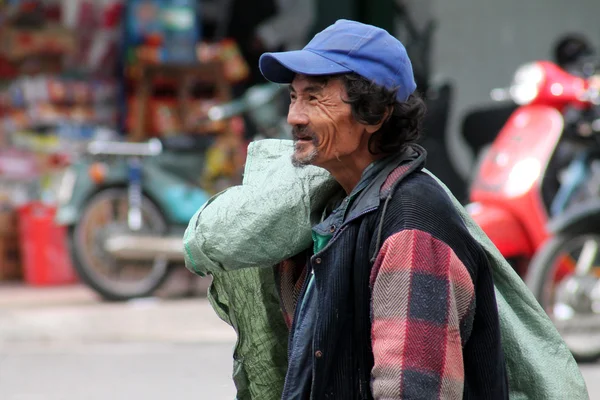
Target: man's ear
371	129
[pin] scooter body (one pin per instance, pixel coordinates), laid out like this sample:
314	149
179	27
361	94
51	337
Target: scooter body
506	195
127	204
170	180
515	185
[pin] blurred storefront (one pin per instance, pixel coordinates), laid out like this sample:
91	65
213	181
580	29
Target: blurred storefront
75	70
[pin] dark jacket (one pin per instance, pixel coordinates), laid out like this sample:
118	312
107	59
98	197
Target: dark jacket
406	304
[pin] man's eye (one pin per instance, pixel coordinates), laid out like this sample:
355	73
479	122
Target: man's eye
312	98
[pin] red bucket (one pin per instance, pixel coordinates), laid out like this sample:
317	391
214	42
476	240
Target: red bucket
44	252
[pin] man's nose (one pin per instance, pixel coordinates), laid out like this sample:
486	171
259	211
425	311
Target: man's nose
297	115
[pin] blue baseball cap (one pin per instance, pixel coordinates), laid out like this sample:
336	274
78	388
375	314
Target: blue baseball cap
344	47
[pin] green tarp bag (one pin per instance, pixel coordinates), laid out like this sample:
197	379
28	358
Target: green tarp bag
241	233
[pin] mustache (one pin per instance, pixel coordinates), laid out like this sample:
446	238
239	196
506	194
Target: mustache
304	132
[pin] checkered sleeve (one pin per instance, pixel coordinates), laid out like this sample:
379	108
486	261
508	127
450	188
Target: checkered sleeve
423	304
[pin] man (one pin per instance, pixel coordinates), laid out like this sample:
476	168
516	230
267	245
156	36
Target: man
387	291
399	301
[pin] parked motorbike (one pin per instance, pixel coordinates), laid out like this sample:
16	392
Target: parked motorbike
519	177
564	273
127	204
482	124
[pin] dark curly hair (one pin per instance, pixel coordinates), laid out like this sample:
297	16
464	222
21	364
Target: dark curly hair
370	103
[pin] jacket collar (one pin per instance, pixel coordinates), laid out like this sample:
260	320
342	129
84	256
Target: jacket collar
397	168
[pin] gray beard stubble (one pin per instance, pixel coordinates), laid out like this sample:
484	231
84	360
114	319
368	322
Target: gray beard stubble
309	158
301	162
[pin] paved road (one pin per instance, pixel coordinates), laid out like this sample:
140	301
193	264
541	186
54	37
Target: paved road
131	371
117	371
591	374
65	345
57	348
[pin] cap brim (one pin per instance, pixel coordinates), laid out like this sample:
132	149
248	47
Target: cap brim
281	67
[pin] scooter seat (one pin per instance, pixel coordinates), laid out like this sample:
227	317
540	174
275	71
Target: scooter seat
187	143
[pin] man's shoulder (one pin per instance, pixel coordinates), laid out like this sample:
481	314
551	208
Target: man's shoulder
420	203
419	197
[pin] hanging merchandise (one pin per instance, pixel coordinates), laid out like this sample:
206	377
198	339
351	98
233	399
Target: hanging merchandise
54	99
227	52
181	30
98	24
24	13
143	21
29	28
104	46
17	43
162	31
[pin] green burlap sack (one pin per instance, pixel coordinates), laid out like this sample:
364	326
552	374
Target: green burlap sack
241	233
539	364
237	237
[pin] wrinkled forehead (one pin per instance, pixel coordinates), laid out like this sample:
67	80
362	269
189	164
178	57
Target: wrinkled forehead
308	83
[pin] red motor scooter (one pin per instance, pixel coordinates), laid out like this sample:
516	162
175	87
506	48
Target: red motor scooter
512	193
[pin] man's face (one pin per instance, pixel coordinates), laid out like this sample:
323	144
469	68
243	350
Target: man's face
324	129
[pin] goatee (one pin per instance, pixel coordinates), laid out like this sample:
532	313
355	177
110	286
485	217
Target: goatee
303	161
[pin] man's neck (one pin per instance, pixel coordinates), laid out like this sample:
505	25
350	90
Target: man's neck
348	170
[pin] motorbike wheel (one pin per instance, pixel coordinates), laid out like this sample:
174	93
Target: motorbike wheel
566	297
105	214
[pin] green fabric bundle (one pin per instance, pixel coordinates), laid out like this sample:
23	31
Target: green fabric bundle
240	234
